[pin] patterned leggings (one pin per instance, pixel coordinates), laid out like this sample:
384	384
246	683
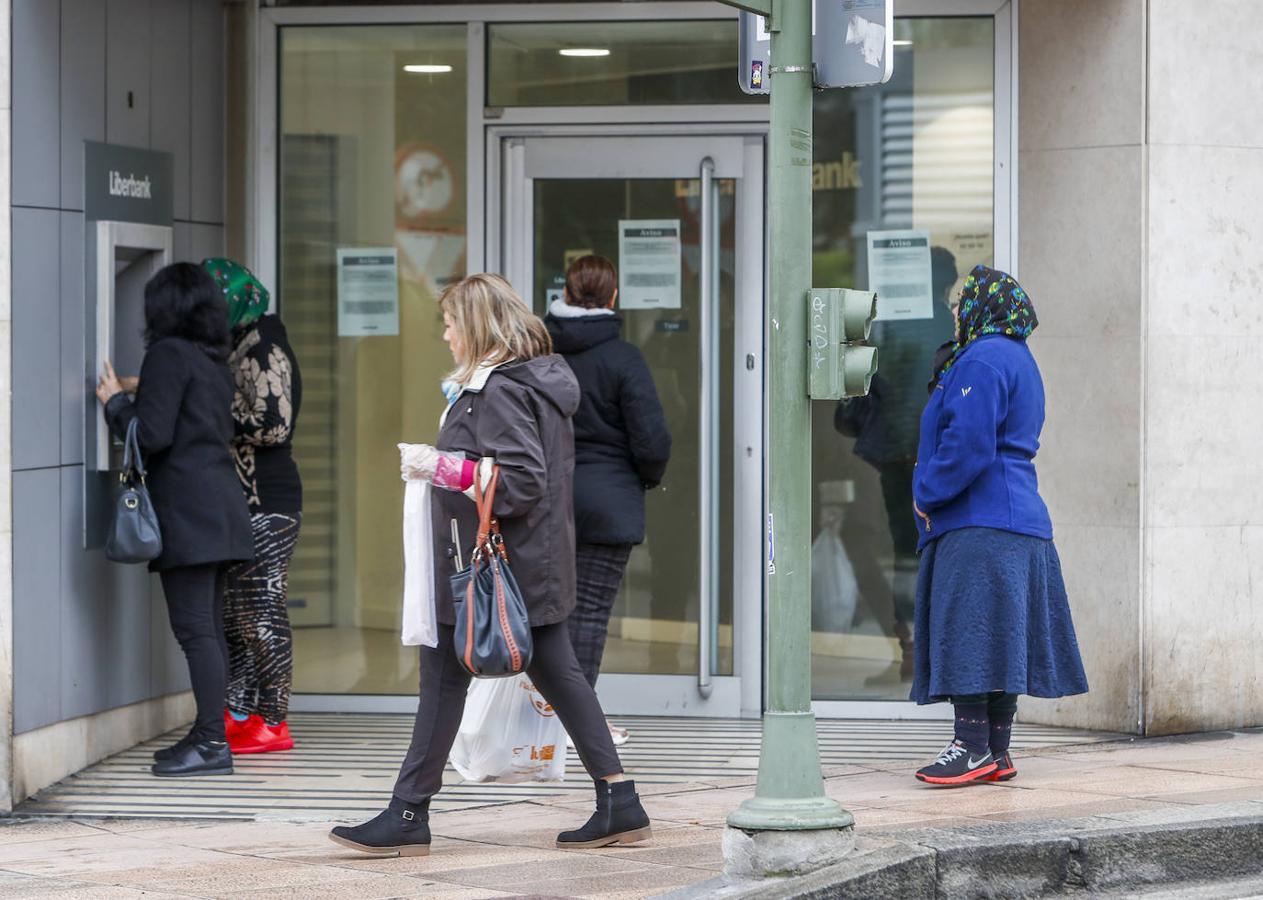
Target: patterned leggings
256	622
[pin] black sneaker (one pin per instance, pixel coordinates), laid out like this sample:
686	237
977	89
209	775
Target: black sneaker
199	758
403	829
1005	770
958	765
619	819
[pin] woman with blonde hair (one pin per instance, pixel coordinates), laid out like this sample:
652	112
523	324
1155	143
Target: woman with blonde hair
510	403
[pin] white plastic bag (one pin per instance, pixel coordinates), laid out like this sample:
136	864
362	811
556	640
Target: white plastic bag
509	734
834	590
420	624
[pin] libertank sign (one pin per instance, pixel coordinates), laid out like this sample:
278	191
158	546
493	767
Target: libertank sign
127	184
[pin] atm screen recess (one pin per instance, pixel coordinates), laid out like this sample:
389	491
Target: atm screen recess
130	236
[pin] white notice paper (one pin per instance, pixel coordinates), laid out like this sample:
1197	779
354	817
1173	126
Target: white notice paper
368	291
899	272
649	263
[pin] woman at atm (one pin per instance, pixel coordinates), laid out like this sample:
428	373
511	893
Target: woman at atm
183	411
269	391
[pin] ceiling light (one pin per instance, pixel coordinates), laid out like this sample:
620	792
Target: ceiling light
427	69
584	51
903	43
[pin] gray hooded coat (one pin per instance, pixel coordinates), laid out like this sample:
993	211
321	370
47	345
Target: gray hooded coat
522	419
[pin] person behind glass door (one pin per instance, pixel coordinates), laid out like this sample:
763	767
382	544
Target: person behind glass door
885	424
512	405
622	446
269	392
183	411
992	617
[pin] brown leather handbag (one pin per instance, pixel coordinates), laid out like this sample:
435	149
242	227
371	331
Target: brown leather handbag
493	631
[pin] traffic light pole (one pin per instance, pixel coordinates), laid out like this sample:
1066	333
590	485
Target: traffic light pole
790	795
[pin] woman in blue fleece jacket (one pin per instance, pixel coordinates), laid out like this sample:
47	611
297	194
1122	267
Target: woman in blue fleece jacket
992	616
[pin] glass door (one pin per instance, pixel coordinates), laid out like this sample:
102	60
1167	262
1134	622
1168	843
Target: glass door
669	213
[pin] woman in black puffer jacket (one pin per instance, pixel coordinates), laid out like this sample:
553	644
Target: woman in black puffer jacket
622	446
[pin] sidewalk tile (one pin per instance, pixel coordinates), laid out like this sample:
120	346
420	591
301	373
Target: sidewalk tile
1138	781
26	831
516	875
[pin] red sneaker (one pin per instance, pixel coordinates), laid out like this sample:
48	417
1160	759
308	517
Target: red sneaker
234	726
260	737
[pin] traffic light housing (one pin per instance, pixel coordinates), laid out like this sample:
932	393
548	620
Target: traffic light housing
839	363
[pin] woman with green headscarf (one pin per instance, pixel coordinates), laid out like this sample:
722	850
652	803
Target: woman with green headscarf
264	411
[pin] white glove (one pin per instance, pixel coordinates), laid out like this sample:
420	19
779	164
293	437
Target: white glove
421	462
417	462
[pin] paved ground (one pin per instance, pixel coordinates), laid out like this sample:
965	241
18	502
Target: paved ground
507	850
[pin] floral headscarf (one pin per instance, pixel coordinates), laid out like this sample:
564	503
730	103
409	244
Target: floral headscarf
991	302
247	297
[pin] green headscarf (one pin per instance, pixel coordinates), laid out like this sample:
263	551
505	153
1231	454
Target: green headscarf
247	297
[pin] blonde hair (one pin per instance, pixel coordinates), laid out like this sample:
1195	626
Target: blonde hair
494	324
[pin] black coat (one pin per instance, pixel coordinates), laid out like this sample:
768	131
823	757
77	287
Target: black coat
184	411
622	443
521	419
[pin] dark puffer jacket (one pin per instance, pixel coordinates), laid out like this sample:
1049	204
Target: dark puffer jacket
521	418
622	443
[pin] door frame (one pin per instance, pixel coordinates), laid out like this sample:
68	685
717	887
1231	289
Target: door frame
261	163
508	239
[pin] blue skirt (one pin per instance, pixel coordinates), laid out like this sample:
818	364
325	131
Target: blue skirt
992	615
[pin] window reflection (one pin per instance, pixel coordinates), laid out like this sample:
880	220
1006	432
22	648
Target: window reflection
614	63
372	150
914	154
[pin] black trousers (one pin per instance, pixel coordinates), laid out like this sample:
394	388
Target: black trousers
554	671
599	570
195	605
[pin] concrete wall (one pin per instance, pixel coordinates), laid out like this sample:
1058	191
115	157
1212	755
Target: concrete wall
1141	202
1203	382
1082	164
90	636
6	492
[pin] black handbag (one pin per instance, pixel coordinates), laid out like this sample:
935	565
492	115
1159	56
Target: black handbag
493	631
134	535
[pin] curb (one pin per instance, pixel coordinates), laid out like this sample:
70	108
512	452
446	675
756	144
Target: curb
1094	855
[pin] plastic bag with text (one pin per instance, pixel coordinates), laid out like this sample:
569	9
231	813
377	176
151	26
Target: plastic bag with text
509	734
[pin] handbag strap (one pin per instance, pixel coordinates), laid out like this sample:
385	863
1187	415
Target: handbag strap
133	461
488	524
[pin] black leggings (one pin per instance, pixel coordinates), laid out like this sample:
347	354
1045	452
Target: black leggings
195	605
998	702
554	671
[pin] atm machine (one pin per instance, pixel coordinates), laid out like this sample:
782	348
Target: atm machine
130	236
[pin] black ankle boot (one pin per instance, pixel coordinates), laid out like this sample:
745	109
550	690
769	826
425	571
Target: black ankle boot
197	757
175	749
403	829
619	819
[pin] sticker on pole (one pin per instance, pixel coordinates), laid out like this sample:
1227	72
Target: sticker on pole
852	45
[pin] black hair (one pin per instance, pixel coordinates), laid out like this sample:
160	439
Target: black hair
184	301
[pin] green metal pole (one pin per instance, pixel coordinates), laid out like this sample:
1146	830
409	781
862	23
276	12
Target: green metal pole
790	794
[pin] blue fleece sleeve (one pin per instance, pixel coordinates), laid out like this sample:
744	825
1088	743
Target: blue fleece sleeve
975	403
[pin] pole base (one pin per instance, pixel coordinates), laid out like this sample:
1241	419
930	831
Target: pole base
773	854
790	814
